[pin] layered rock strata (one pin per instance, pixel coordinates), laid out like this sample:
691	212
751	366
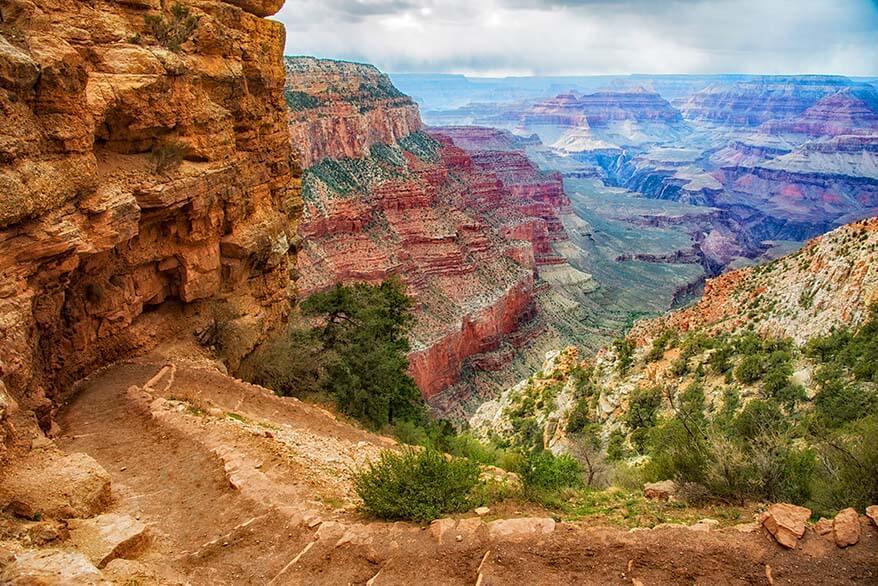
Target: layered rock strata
145	168
466	230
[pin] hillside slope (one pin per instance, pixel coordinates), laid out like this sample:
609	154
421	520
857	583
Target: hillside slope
830	283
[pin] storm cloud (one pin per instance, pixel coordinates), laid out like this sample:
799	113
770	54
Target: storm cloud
570	37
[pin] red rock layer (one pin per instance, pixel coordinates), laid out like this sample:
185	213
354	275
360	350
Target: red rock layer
338	111
601	108
465	230
847	112
98	246
753	102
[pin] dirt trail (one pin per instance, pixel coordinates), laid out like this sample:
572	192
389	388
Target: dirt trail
239	486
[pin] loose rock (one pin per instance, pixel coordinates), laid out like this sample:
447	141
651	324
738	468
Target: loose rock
108	537
786	523
846	528
56	485
660	491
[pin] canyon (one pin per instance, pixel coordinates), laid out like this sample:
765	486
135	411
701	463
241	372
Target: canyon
460	214
173	185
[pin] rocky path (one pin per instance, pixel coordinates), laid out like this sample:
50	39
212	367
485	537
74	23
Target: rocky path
237	486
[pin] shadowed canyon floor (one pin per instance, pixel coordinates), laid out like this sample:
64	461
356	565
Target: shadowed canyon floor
237	486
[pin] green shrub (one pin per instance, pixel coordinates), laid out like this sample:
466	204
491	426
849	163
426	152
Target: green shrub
849	477
417	485
579	416
750	369
659	346
364	339
643	407
616	450
839	401
291	365
624	354
298	101
678	452
543	473
173	30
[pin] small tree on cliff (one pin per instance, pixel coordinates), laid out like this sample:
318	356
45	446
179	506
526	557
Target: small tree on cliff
363	331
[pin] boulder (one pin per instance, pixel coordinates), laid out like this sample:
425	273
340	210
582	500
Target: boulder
57	485
846	527
705	525
823	526
441	529
481	511
107	537
660	491
521	528
872	513
786	523
49	568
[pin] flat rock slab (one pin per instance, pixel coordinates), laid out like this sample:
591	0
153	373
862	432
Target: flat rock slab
54	484
846	528
521	528
786	523
107	537
51	567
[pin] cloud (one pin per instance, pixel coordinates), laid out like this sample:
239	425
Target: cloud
590	36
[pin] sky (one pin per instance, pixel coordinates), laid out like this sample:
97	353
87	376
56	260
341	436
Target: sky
584	37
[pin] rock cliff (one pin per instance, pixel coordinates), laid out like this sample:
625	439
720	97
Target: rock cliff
341	110
466	229
755	101
146	172
830	283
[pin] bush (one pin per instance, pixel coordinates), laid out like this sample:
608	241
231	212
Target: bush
167	156
839	401
643	407
616	450
624	354
659	346
291	365
849	477
543	474
417	485
750	369
171	32
678	453
364	341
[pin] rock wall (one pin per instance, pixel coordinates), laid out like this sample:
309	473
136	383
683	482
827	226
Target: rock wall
146	169
753	102
341	110
467	230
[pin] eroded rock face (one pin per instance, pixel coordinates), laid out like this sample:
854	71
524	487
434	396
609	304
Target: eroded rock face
467	230
340	110
600	108
140	173
752	102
